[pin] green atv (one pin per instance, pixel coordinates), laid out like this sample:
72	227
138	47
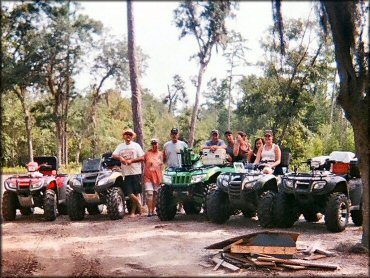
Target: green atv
190	183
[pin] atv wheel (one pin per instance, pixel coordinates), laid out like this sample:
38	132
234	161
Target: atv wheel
310	216
115	203
218	207
285	212
50	205
166	204
75	206
26	211
9	206
265	209
337	212
192	207
357	217
249	213
63	208
94	209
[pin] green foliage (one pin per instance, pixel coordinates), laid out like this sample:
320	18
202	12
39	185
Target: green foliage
13	170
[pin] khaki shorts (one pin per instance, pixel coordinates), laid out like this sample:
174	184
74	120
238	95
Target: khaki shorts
149	186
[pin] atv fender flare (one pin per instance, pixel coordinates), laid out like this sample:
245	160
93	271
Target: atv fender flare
114	180
52	184
212	175
338	184
266	183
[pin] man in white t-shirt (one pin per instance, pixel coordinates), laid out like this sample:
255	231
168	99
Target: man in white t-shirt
131	156
172	148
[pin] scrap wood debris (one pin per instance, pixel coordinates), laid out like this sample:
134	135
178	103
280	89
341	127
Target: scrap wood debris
273	250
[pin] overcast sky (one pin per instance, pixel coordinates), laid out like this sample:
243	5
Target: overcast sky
157	35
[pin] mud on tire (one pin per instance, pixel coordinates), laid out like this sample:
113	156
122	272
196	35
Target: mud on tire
75	206
9	206
115	203
336	212
265	209
285	211
218	207
166	204
50	205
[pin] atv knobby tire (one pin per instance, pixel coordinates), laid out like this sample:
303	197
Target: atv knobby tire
166	204
94	209
249	213
26	211
191	207
285	211
311	216
336	212
115	203
63	208
9	206
75	206
218	207
265	209
50	205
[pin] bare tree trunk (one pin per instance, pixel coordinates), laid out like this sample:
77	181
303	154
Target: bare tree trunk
21	93
353	95
194	115
134	77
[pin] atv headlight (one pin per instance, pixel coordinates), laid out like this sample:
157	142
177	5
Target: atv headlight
223	180
167	179
288	183
103	181
249	182
76	182
10	184
36	185
198	178
318	185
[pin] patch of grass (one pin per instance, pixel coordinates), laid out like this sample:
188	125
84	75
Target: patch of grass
71	168
13	170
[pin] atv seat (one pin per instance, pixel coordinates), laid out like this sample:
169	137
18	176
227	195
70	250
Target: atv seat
283	167
109	161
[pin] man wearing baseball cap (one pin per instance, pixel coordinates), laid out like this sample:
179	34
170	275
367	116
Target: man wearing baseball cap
172	148
131	156
215	142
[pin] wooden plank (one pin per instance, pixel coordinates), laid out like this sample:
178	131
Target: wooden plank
225	264
325	252
218	264
228	247
295	267
263	249
315	257
204	264
222	244
259	263
244	261
298	262
313	247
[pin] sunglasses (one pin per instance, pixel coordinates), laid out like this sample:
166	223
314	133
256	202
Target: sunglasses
268	135
128	134
154	143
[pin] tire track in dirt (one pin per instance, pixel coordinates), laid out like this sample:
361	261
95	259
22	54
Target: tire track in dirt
84	267
20	263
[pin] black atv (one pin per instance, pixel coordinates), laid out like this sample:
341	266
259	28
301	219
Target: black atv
244	187
331	193
99	183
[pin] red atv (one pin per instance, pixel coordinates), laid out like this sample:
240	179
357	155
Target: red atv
41	187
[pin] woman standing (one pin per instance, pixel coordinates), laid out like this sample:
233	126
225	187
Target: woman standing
153	173
270	153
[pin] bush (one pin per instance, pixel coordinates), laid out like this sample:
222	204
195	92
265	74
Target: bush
14	170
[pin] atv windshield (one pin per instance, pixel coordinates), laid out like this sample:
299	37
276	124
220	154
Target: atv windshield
91	165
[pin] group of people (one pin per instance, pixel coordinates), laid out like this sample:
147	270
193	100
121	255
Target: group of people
131	156
239	148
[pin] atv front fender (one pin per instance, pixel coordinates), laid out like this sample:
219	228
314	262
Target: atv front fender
106	182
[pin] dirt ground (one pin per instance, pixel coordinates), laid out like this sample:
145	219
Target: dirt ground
146	246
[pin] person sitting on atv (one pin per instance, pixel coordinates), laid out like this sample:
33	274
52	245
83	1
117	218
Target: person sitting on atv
258	142
229	146
33	169
241	147
215	142
269	153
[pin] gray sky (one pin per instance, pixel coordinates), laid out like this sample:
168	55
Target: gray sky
157	35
